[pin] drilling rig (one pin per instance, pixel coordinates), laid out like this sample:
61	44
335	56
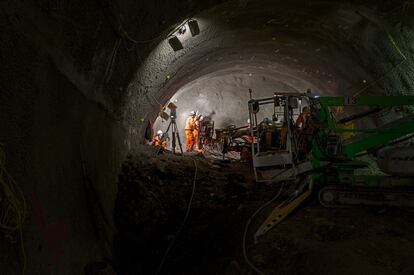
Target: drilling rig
362	158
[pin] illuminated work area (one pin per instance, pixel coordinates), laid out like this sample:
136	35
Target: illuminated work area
206	137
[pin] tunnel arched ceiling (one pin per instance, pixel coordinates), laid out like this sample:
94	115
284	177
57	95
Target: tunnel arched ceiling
80	79
223	95
336	49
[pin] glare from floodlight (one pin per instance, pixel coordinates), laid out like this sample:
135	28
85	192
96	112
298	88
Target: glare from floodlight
182	30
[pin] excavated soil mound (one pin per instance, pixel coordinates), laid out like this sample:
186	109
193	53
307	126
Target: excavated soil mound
153	196
154	191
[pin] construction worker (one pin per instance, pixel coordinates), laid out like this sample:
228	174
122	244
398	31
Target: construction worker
247	136
307	130
189	131
245	154
196	131
302	118
160	141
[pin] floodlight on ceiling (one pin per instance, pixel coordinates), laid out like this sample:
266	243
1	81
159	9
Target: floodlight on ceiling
181	31
175	43
194	28
164	115
171	106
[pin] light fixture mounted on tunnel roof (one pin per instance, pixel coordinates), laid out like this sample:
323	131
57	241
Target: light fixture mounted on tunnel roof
194	28
163	114
173	112
175	43
173	40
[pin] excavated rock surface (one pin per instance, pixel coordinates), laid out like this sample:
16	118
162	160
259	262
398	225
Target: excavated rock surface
154	191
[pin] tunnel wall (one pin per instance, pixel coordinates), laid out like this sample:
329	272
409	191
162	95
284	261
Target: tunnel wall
69	82
46	120
63	69
223	97
348	48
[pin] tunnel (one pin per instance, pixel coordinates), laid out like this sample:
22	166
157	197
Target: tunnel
82	83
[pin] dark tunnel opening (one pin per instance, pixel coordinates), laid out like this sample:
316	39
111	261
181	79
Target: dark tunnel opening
83	85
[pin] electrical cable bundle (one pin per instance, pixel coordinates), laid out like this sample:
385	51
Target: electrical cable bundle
12	208
187	213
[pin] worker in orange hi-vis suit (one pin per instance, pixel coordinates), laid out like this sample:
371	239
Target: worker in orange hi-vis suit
302	118
196	132
248	137
160	141
189	131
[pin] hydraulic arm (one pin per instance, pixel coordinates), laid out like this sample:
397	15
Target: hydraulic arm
332	160
368	138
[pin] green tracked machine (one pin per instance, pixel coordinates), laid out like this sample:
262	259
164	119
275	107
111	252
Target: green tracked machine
334	153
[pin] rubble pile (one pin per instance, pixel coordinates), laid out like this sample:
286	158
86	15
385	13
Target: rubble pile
153	196
154	191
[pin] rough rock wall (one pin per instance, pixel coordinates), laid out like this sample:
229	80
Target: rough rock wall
64	71
224	98
346	48
153	198
45	120
63	66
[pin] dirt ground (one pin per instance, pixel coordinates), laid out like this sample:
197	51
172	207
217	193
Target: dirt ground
152	201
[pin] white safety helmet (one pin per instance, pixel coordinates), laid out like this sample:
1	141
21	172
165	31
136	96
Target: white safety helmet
159	132
192	113
201	118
